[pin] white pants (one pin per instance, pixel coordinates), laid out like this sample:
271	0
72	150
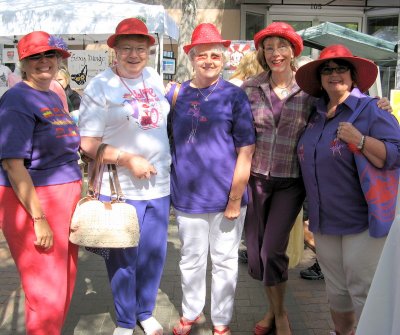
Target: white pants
197	233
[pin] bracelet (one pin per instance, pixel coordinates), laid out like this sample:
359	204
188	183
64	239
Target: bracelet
360	145
234	198
118	157
38	218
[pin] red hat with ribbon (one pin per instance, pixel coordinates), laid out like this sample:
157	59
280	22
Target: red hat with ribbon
206	33
39	41
308	78
280	29
130	26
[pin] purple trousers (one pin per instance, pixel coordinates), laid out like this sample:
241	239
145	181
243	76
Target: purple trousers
274	204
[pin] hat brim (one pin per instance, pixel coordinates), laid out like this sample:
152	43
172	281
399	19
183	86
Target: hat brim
111	39
293	38
37	50
307	76
225	43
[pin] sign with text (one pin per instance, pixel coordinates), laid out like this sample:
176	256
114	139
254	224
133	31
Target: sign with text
83	65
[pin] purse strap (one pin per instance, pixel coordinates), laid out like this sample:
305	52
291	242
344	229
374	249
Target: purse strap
364	102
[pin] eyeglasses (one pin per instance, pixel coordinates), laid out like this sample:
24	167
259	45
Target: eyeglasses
329	70
46	54
128	50
270	51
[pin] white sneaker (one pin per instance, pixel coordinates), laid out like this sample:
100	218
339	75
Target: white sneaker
123	331
151	326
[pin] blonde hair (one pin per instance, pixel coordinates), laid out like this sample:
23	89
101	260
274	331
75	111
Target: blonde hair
64	72
247	67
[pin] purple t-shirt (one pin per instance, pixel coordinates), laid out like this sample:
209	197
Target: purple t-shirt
33	126
336	203
206	135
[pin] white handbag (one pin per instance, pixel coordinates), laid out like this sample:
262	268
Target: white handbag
101	224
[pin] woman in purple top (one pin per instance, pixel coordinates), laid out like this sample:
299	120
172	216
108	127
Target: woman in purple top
40	184
338	211
213	142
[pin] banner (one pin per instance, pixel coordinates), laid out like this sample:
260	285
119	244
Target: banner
83	65
235	52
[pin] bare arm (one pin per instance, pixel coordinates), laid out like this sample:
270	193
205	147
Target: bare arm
139	166
24	189
239	182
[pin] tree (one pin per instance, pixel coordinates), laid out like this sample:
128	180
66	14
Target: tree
189	14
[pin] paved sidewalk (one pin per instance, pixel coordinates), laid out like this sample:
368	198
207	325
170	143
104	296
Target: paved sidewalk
92	311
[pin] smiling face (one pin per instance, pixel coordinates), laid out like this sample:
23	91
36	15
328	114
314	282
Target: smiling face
278	54
39	71
336	84
207	62
132	53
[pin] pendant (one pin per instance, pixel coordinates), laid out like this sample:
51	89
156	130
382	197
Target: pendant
206	99
284	93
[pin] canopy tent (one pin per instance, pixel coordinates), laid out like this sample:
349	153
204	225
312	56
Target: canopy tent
80	22
360	44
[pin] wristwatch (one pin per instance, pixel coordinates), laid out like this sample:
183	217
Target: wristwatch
360	145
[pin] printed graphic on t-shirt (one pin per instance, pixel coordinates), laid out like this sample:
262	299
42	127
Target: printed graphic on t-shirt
195	112
336	146
63	125
145	108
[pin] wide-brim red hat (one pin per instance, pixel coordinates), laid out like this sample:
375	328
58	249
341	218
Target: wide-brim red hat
206	33
39	41
130	26
308	78
280	29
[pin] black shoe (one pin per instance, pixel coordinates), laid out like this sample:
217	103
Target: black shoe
243	256
312	273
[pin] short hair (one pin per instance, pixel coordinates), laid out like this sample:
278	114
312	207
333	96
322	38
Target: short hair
22	63
216	48
141	38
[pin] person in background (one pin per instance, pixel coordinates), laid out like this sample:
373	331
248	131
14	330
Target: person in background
247	67
124	107
338	211
213	142
40	184
281	111
73	97
5	73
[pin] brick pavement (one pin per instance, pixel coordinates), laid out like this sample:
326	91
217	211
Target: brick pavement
92	308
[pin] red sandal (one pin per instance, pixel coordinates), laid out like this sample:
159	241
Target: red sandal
225	331
178	329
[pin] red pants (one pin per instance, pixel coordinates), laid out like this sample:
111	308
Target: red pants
47	277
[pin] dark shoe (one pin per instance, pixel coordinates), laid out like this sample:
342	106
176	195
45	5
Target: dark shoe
312	273
243	256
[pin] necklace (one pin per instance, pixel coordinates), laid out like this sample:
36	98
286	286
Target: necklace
127	87
284	91
206	96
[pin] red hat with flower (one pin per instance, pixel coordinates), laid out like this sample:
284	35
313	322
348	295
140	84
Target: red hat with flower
206	33
40	41
130	26
280	29
308	78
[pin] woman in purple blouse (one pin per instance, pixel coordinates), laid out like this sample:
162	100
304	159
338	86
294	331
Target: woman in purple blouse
338	211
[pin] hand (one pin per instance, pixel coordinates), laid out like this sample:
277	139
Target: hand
140	167
348	133
44	234
232	210
384	103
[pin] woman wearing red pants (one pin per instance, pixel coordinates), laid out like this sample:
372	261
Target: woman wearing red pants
39	184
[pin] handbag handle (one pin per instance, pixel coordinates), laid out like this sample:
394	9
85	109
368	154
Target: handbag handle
364	102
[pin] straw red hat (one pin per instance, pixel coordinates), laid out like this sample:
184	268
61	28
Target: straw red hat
308	78
206	33
131	26
280	29
40	41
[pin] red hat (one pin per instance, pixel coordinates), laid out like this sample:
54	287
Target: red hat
280	29
131	26
308	78
40	41
206	33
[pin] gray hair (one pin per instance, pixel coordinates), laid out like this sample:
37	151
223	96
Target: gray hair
215	48
22	63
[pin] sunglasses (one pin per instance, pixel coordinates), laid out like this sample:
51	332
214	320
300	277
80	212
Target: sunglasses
46	54
329	70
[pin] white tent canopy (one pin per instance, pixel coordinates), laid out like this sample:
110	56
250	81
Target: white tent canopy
89	21
81	22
